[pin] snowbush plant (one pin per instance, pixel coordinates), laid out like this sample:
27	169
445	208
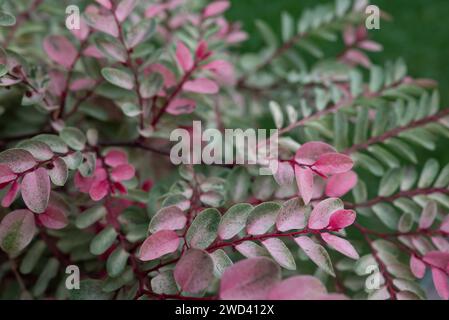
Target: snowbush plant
356	209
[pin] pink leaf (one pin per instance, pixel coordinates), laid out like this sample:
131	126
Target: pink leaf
103	23
333	163
6	174
417	267
341	219
202	85
83	183
445	225
223	70
181	106
321	214
184	56
284	174
83	32
437	259
159	244
304	180
292	215
316	253
309	152
11	195
341	245
53	218
428	215
298	288
154	10
36	190
370	46
99	190
124	9
123	172
249	279
17	229
202	52
349	35
82	84
280	253
168	218
115	158
340	184
262	218
60	50
195	271
440	281
357	57
216	8
169	77
18	160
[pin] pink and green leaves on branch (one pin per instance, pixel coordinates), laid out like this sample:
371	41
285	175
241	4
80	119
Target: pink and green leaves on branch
108	176
35	164
93	185
317	159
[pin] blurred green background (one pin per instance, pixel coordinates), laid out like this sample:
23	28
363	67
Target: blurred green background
419	32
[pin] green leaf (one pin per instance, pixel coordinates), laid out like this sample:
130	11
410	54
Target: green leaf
387	214
376	79
118	77
221	262
7	19
429	173
238	183
277	114
74	138
102	241
59	173
234	220
32	257
88	164
402	149
385	156
55	143
47	274
267	33
409	177
356	83
262	218
113	284
443	178
203	230
316	253
341	131
280	253
164	283
90	216
361	125
90	290
406	222
369	164
16	231
116	262
390	182
288	27
151	85
250	249
40	150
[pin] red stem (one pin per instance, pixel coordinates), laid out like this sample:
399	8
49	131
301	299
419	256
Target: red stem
402	194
